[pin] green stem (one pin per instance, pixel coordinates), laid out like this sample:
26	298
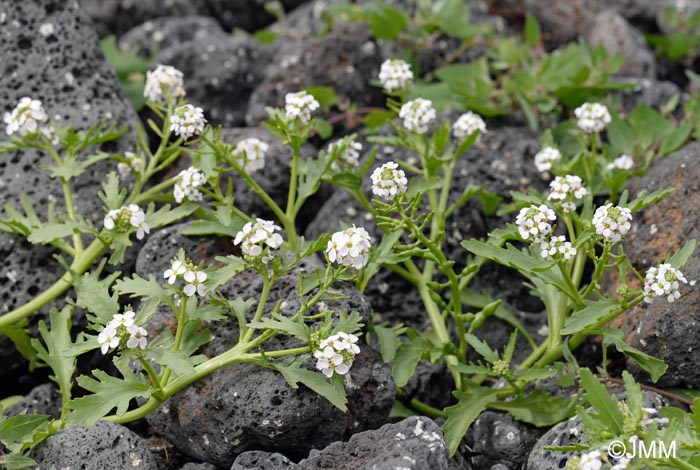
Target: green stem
292	196
278	353
261	307
153	190
681	464
78	267
70	208
426	409
151	373
167	372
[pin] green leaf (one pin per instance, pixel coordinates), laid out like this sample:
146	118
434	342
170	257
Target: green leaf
482	348
532	30
653	366
323	128
533	375
388	338
325	96
54	351
386	22
165	216
348	323
177	361
210	227
232	266
409	354
17	429
538	408
294	374
107	393
110	194
593	311
682	256
93	295
601	401
52	231
464	413
284	325
453	17
676	139
16	462
646	199
137	286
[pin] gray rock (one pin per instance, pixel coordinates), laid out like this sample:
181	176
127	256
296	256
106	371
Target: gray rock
261	460
612	31
168	32
345	60
652	93
198	466
220	74
500	441
660	328
66	70
415	443
104	446
42	400
117	16
250	15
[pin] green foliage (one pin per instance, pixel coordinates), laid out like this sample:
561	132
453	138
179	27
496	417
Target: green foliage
131	70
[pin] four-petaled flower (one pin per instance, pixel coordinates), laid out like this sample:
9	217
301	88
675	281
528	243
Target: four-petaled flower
108	339
534	222
349	247
336	354
623	162
349	158
418	115
592	117
395	75
545	157
177	269
663	281
187	183
388	181
125	219
250	154
195	282
612	222
137	337
253	236
300	105
164	78
26	118
565	190
187	121
467	124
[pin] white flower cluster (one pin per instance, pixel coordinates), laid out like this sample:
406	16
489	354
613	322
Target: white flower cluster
566	189
350	247
350	157
133	162
418	115
467	124
623	162
534	222
545	157
590	461
336	354
119	327
612	222
192	276
250	154
557	246
176	270
395	75
592	117
663	281
164	77
26	117
125	218
255	235
187	183
300	105
187	121
388	181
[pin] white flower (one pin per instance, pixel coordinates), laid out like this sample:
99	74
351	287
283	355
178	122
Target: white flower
612	222
567	189
388	181
188	182
125	219
336	354
126	320
350	157
349	247
187	121
250	154
418	115
108	339
623	162
545	157
663	281
592	117
300	105
137	337
253	236
195	282
177	269
395	75
590	461
557	247
26	118
132	162
622	464
467	124
164	77
533	222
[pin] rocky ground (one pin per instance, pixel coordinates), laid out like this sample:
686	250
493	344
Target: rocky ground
246	417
